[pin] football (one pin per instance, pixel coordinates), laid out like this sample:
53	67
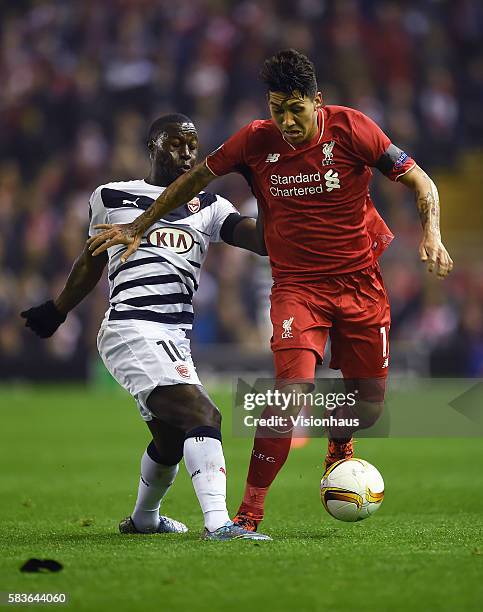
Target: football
351	490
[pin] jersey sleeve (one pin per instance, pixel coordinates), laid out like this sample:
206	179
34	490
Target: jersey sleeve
368	140
394	162
97	211
374	148
221	209
231	155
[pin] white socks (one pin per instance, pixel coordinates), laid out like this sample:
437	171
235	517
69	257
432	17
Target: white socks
205	463
204	460
153	485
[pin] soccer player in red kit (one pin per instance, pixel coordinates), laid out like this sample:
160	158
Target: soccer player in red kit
309	167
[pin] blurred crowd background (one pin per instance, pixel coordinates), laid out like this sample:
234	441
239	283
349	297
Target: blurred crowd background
82	80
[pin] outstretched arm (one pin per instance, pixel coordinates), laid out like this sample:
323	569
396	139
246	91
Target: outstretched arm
84	276
44	320
431	249
183	189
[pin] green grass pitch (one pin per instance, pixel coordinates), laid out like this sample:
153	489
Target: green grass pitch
70	460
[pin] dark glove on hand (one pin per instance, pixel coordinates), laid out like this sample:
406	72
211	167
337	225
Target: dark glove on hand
43	320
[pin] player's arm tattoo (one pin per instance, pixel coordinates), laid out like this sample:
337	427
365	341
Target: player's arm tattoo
427	198
431	249
84	276
182	190
428	208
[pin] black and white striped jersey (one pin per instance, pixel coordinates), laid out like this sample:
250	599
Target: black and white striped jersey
158	282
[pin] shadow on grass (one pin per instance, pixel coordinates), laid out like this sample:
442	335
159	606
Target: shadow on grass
88	538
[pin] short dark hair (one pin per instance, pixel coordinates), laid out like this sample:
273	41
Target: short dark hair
161	122
288	71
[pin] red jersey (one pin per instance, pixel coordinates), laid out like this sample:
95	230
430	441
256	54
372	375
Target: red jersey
318	215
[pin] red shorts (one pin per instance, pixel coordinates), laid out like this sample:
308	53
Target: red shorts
353	309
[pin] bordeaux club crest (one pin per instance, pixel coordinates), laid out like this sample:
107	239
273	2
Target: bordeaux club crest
194	205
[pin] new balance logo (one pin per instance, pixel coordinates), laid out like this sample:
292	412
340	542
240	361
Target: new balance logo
272	157
287	328
386	363
133	202
331	180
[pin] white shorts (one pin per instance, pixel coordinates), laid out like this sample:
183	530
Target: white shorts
142	355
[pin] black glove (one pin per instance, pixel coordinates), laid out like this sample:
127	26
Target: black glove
43	320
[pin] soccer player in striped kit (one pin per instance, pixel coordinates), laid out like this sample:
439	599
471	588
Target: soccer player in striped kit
142	339
309	167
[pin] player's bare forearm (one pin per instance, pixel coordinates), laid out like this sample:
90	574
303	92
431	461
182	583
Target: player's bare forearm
432	249
246	235
183	189
427	198
84	276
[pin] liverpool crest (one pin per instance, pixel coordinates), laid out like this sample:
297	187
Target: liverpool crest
327	149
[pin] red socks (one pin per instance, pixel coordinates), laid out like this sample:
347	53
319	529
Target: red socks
270	453
268	457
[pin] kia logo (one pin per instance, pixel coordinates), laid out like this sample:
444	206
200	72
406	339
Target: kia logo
177	240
